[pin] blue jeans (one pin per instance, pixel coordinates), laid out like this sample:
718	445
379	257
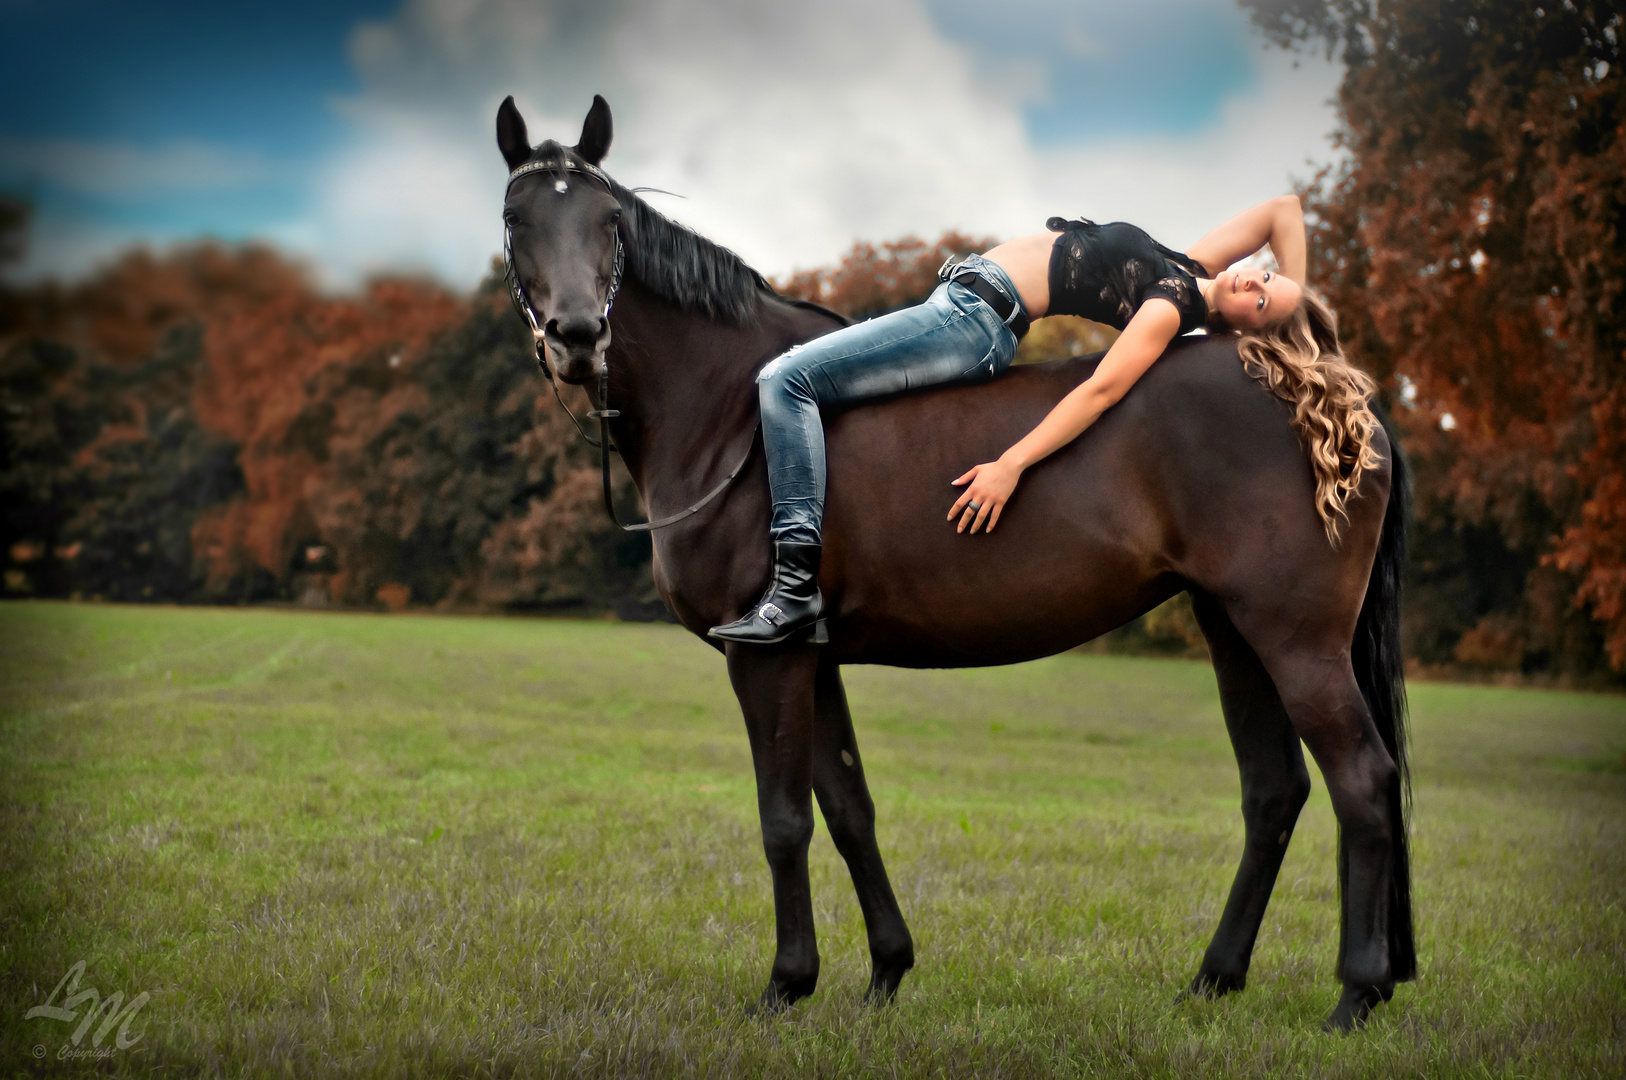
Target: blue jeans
954	336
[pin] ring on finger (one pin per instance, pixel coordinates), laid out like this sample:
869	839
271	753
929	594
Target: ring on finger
973	506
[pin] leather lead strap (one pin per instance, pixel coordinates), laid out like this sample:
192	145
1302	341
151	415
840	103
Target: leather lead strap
670	519
603	416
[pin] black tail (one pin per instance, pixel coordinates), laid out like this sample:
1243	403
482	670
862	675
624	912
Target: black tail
1379	669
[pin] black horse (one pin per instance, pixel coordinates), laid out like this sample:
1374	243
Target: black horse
1194	482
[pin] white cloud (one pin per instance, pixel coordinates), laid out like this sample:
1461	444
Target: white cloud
796	129
791	130
408	195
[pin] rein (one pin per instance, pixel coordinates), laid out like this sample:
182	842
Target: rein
522	304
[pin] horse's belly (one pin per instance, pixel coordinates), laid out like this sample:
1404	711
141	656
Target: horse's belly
1074	554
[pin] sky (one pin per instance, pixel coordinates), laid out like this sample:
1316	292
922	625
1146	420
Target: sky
359	134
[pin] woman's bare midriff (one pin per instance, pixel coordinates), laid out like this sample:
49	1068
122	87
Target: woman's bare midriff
1027	261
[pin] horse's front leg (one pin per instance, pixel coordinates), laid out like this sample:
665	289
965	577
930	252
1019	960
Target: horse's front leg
775	688
849	812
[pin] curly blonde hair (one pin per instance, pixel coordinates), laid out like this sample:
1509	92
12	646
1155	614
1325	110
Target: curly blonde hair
1300	360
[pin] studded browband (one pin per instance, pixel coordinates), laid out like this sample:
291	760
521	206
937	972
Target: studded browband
554	166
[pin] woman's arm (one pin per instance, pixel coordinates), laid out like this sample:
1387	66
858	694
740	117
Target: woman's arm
1278	222
1142	342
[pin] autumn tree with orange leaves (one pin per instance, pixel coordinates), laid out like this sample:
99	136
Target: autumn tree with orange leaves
1474	245
279	380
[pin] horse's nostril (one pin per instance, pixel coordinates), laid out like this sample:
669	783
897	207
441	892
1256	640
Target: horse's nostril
578	332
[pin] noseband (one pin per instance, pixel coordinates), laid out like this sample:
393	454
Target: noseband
522	304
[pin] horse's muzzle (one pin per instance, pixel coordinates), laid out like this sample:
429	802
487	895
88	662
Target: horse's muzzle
576	346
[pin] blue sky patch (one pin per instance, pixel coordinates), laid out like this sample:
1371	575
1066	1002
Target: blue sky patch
1089	72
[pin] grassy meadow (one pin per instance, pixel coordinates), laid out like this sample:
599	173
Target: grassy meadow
357	845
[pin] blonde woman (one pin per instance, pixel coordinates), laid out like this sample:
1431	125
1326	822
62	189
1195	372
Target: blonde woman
968	329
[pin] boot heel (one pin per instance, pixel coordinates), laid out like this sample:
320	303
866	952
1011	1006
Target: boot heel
821	633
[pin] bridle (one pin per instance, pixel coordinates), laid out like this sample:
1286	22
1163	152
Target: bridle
604	414
522	303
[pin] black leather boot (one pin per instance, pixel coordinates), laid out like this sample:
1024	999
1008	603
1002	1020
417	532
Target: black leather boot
791	604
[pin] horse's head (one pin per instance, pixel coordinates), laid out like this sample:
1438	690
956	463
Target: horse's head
564	250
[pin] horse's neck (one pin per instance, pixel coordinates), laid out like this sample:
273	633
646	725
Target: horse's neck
683	385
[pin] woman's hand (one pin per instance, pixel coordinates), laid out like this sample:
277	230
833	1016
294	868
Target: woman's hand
1141	343
990	488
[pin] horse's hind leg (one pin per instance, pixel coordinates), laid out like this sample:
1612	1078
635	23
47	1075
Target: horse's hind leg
1318	689
775	689
849	813
1275	784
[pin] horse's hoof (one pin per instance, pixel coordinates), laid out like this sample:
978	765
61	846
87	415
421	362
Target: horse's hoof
771	1003
777	999
1355	1007
1210	986
887	969
883	989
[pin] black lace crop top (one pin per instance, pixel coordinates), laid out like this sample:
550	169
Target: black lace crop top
1106	272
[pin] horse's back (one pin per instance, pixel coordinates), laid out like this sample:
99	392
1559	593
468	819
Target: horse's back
1195	477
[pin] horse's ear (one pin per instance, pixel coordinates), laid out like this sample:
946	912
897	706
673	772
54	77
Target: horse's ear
596	132
511	137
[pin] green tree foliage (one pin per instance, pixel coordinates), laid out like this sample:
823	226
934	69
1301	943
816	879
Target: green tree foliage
103	470
1474	244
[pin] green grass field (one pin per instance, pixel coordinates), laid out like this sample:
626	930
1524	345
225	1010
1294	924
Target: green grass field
394	846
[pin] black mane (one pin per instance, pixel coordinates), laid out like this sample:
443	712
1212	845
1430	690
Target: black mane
676	263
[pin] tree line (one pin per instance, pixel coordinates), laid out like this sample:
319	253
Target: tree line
208	426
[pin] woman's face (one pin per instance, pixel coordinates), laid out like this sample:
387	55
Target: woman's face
1249	299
